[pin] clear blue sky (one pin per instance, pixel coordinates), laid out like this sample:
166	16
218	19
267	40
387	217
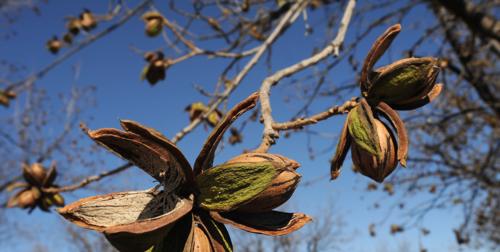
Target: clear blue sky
114	69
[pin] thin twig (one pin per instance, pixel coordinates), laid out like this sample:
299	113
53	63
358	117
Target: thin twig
89	180
18	86
301	122
287	19
270	134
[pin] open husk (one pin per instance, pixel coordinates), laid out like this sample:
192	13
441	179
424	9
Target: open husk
132	221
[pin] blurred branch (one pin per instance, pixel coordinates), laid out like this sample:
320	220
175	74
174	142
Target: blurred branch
89	180
479	21
19	86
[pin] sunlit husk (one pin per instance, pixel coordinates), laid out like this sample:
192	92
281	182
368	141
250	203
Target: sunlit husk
131	221
228	186
206	156
377	168
282	186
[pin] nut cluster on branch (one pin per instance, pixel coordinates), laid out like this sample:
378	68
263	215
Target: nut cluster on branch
32	193
189	212
405	84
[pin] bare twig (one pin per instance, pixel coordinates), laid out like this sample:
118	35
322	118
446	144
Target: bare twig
301	122
18	86
270	134
89	180
287	19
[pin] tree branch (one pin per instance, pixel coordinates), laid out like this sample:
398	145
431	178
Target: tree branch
89	180
18	86
270	134
287	19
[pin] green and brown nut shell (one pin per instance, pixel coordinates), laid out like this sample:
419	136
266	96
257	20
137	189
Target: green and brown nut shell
373	166
404	80
282	186
228	186
153	27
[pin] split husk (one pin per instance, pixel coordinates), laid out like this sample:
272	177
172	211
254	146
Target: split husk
131	221
187	214
405	84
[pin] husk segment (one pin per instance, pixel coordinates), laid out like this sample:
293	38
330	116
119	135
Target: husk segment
51	175
131	221
377	50
282	186
225	187
219	238
281	189
377	168
179	239
420	102
147	149
206	157
196	232
341	152
361	124
268	223
396	122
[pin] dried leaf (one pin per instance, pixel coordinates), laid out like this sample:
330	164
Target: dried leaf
206	157
268	223
225	187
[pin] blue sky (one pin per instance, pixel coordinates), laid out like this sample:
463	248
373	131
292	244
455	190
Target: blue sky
111	66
